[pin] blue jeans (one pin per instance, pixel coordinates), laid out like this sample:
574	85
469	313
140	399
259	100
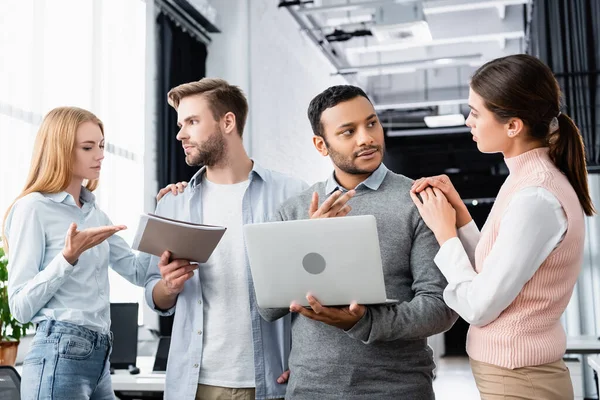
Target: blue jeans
67	361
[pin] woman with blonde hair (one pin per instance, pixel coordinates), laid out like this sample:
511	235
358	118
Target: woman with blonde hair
59	246
513	280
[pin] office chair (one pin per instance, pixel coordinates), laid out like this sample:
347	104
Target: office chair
10	383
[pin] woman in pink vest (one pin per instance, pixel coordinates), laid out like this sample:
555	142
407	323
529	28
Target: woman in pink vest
513	280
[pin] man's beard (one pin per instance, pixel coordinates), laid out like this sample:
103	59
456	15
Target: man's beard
211	153
347	165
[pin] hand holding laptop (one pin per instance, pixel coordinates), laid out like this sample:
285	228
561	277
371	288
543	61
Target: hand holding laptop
340	317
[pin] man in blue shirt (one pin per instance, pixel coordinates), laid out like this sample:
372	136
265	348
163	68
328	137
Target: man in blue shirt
220	345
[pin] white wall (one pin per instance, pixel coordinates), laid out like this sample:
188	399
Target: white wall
262	49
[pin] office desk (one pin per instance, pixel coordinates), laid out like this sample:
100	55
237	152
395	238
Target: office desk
145	381
588	347
583	345
594	362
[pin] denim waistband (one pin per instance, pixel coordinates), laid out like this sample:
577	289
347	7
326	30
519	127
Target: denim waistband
52	326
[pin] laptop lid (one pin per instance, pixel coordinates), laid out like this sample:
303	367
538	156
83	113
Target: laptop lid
338	260
162	354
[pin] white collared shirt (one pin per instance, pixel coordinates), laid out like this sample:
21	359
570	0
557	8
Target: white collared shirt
42	284
533	224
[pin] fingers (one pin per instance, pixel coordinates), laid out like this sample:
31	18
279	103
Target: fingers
305	312
344	211
440	181
178	282
72	229
181	187
357	310
439	194
162	192
284	377
164	258
429	193
417	184
314	304
334	204
181	271
102	233
327	204
416	200
314	204
174	265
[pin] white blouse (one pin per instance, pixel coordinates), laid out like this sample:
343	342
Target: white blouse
533	224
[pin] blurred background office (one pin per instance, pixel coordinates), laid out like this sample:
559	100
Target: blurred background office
118	58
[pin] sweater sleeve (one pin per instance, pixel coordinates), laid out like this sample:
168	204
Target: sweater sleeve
423	316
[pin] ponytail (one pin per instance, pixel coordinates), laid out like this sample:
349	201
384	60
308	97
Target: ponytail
568	154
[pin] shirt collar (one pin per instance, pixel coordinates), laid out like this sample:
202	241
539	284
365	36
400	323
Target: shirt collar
86	196
257	170
372	182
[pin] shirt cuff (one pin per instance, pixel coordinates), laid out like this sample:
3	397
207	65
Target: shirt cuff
362	329
148	290
60	266
468	233
453	262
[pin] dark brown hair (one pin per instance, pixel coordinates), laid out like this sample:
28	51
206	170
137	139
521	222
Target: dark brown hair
521	86
222	98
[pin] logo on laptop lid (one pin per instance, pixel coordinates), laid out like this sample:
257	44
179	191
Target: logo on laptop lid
314	263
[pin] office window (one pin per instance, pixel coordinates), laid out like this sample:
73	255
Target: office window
84	53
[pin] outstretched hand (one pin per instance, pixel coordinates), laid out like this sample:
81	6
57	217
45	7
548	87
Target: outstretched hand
76	242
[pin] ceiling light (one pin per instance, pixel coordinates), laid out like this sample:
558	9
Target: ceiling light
443	61
442	8
438	121
412	32
418	104
396	46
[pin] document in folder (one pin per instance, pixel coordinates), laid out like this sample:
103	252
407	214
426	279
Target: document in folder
185	240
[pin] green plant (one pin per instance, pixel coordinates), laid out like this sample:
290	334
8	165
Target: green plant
10	328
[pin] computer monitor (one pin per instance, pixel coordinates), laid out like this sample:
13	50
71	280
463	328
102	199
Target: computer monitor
124	326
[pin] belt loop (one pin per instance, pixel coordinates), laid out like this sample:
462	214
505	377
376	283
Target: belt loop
48	328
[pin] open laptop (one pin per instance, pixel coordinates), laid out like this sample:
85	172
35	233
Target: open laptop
337	260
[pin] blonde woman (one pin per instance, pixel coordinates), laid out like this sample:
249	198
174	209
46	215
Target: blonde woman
513	280
60	245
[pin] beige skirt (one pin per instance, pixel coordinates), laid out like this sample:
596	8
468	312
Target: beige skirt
541	382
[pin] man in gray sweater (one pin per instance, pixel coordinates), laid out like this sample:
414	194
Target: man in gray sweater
366	352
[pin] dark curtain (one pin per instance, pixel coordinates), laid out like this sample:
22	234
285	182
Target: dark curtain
565	34
181	59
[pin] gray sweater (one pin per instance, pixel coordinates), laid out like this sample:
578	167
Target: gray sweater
385	355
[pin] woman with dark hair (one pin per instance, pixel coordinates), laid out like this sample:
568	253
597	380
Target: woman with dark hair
513	280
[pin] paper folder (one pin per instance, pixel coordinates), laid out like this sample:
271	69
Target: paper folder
185	240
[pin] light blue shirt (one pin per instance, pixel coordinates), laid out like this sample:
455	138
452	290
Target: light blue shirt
42	285
372	182
271	340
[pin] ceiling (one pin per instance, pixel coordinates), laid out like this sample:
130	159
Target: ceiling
415	59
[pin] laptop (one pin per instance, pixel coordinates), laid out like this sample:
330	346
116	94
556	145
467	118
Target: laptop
337	260
162	355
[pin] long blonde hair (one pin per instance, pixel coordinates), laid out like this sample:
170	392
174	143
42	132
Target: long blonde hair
51	168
